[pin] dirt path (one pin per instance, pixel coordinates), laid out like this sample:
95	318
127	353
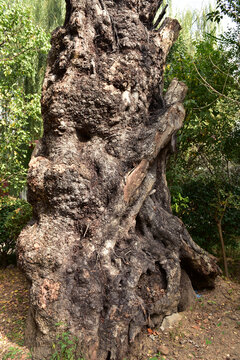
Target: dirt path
13	312
208	331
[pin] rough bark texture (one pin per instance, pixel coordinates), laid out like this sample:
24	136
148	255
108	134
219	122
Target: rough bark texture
104	253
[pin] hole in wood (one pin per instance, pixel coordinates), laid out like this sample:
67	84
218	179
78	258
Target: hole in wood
83	134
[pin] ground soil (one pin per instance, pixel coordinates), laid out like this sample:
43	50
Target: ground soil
210	330
13	313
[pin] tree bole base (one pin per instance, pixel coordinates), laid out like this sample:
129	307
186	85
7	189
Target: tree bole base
104	255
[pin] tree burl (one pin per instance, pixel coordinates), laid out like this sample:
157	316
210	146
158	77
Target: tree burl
104	254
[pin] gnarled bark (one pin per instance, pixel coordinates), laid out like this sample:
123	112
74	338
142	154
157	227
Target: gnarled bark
104	253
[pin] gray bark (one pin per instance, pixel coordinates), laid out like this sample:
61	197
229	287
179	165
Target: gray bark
104	253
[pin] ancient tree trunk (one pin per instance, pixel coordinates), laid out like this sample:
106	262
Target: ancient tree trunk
104	253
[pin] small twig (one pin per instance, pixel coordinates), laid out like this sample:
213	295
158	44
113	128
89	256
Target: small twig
225	82
143	310
85	232
16	55
118	256
212	88
206	163
115	33
217	67
205	106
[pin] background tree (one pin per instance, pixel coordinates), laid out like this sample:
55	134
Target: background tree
25	36
20	121
206	160
48	14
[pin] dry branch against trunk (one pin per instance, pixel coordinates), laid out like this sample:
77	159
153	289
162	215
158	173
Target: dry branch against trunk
104	253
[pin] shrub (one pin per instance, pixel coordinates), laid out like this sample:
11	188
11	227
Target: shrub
199	215
14	215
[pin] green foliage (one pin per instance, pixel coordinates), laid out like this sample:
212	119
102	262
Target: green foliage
157	357
17	219
208	342
16	139
230	8
13	353
14	215
179	203
231	146
47	13
206	168
200	215
21	43
65	347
